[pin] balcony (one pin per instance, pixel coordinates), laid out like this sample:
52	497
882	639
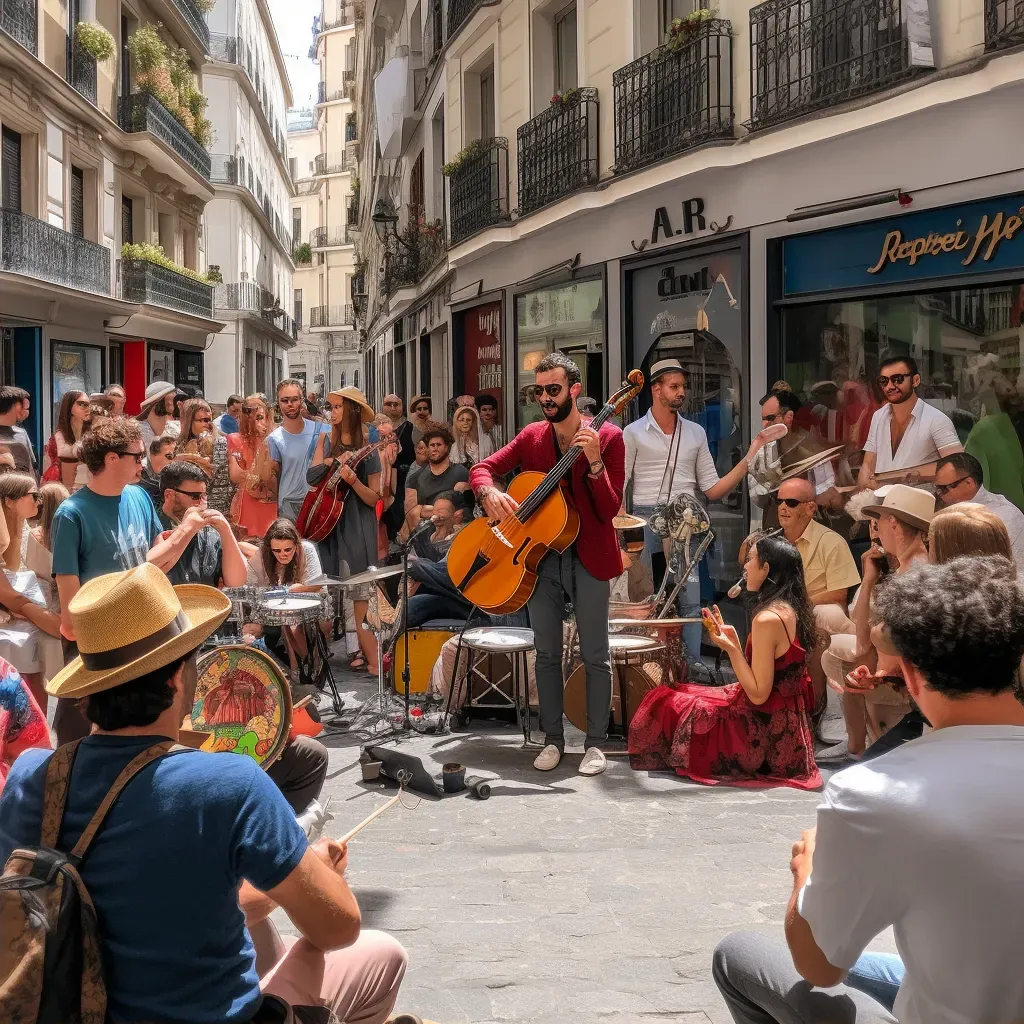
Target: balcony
351	128
145	282
331	316
196	21
81	71
324	238
673	99
336	15
141	112
558	151
307	186
230	170
352	209
323	96
421	247
36	249
804	57
249	297
459	12
331	163
1004	24
433	30
478	189
20	20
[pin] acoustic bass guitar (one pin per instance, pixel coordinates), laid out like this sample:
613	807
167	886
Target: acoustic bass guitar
324	503
494	563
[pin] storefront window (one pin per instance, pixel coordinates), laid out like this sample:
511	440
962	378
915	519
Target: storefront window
967	343
74	368
570	319
161	364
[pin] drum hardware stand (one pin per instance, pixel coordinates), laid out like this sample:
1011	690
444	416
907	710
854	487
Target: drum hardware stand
443	727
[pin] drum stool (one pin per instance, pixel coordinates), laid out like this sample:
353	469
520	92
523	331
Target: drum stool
513	642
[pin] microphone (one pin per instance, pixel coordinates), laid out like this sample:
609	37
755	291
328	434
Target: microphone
737	588
424	526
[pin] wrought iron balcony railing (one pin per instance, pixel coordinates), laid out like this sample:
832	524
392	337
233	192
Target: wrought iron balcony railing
478	190
674	98
250	297
230	170
1004	23
352	209
20	20
321	238
36	249
351	128
196	21
804	56
81	71
141	112
224	170
307	186
323	96
142	281
331	163
331	316
433	30
337	14
558	151
459	12
421	248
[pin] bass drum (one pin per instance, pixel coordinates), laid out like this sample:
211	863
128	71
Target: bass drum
574	700
243	702
424	649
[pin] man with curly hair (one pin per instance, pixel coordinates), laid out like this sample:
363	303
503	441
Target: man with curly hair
106	526
926	839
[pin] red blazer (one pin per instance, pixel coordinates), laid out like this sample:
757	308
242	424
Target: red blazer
597	501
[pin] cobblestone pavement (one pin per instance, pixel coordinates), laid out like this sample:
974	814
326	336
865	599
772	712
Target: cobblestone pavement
562	897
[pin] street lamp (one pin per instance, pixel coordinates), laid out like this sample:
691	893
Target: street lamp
385	220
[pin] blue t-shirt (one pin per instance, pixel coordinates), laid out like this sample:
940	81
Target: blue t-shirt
94	534
226	423
164	870
294	452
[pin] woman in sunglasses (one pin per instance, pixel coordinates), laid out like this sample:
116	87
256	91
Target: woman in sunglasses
757	731
254	506
74	417
203	444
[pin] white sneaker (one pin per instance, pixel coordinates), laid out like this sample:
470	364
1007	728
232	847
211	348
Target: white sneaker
548	758
594	762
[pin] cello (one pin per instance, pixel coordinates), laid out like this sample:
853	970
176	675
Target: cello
324	503
494	564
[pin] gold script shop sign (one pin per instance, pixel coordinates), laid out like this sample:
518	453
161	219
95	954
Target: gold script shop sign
983	243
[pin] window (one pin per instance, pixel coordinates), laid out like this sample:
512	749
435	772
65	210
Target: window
298	308
293	167
671	9
296	225
115	363
343	378
127	230
416	184
487	104
10	170
126	61
165	233
566	74
355	377
76	220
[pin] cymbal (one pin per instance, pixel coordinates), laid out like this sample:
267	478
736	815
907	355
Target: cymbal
654	623
372	575
811	462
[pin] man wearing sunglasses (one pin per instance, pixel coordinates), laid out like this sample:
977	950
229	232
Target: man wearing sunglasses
906	433
583	571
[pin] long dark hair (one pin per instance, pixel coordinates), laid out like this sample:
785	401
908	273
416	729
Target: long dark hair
785	584
64	415
351	423
283	529
189	409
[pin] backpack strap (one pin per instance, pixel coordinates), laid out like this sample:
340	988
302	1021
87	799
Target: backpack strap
55	792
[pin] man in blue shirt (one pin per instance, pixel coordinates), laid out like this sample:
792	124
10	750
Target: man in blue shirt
199	848
227	422
291	447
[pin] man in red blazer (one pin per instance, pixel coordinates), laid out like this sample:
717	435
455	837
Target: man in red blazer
583	570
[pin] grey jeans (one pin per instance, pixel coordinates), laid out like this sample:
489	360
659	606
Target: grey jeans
559	575
760	985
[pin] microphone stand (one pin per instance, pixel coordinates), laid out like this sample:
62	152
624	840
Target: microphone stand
406	670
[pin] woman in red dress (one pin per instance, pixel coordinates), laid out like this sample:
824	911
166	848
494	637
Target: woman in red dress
757	731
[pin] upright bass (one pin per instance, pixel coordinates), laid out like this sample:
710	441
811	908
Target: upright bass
493	563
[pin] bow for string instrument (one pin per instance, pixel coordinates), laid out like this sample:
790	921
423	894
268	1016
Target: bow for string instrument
493	563
324	503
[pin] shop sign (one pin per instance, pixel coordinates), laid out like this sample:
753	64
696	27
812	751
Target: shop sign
975	238
482	351
689	221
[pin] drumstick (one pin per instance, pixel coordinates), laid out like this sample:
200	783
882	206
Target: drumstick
366	821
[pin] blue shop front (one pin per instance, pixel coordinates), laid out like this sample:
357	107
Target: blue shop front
945	286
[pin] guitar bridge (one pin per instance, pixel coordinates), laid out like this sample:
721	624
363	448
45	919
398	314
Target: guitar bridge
497	533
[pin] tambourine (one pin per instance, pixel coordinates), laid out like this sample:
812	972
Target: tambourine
243	701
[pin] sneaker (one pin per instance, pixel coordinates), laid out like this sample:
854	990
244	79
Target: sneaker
594	762
548	758
839	752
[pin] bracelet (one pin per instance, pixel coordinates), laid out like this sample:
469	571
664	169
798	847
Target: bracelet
599	470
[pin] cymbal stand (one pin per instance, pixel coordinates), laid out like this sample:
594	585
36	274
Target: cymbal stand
683	573
443	727
379	707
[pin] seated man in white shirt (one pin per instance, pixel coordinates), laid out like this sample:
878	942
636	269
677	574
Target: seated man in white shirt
906	433
667	455
958	478
926	839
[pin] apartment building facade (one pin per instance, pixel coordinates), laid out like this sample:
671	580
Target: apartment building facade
248	222
104	146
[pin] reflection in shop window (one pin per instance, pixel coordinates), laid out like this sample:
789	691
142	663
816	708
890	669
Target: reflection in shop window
967	343
74	368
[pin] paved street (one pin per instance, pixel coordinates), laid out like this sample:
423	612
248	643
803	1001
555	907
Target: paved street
562	897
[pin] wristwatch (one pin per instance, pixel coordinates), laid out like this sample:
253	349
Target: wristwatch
599	470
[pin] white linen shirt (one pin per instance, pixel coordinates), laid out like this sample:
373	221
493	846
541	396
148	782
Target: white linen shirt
647	455
1013	520
928	433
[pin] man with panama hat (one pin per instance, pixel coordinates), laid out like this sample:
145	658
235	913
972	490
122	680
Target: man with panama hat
199	848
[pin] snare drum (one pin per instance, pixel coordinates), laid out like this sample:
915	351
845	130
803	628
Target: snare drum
288	609
627	649
243	701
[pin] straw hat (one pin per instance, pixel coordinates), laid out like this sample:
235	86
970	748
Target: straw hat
157	390
355	395
130	623
102	398
625	521
910	505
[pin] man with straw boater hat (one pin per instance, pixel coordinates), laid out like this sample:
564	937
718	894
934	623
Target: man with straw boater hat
198	848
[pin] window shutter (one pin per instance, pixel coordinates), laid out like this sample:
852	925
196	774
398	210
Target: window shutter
77	223
10	170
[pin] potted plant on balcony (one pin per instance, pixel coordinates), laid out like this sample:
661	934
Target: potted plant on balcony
94	40
473	149
682	30
303	254
147	253
564	98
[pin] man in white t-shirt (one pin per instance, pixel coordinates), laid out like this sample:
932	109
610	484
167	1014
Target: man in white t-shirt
667	455
927	839
906	433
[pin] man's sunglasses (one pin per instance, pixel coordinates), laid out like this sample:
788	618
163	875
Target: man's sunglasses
789	502
191	495
137	456
551	390
941	489
895	378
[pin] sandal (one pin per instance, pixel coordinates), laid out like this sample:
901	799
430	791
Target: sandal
357	661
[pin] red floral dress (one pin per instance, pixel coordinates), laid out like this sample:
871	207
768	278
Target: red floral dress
22	723
715	734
